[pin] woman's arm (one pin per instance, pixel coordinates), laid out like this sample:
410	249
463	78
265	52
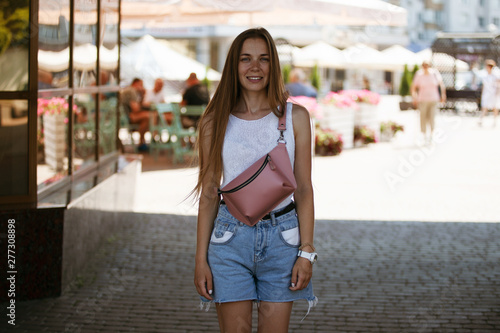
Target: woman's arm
207	212
304	198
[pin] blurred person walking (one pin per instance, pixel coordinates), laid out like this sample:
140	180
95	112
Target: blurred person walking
490	96
425	89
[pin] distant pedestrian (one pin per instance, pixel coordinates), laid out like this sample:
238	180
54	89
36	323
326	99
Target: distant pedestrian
490	97
426	88
298	85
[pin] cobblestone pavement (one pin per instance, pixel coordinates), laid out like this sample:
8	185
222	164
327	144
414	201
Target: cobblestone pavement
371	277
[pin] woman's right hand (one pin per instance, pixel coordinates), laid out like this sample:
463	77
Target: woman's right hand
203	280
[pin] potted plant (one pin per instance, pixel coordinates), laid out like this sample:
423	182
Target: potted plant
327	142
286	69
337	113
54	114
388	129
404	88
364	135
315	78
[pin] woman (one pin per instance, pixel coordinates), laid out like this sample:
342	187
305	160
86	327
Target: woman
237	264
425	90
490	94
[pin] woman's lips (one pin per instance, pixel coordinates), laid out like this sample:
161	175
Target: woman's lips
254	78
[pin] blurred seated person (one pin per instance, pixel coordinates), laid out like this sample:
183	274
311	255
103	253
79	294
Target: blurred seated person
81	115
366	83
196	93
156	96
297	85
131	100
45	79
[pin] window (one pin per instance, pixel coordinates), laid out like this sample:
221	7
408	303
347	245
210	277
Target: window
14	47
93	130
70	122
14	147
14	103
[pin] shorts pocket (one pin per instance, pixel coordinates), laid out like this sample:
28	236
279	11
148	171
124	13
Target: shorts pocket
223	232
290	233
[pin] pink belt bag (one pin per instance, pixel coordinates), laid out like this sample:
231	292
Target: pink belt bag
262	186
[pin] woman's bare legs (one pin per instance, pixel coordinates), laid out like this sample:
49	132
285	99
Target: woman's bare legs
274	317
235	317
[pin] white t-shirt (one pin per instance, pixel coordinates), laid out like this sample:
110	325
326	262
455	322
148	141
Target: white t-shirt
152	97
427	85
489	95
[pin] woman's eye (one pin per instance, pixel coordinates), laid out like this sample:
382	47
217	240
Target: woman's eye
264	59
245	59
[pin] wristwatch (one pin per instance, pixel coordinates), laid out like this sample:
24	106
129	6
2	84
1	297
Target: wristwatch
312	257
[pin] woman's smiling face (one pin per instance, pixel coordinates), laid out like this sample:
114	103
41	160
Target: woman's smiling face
253	65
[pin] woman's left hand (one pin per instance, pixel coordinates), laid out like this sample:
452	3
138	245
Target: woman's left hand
301	274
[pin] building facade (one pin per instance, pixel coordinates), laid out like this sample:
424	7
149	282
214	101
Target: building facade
428	17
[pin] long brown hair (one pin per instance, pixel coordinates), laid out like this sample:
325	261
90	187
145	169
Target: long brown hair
215	118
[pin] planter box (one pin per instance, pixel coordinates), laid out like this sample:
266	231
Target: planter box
54	131
403	106
367	115
386	136
339	120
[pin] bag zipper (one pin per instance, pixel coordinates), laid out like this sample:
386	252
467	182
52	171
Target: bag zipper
249	180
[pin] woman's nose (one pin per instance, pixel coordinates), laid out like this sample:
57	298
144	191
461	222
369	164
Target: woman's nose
255	64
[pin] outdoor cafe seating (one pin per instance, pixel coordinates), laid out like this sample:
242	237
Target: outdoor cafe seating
171	135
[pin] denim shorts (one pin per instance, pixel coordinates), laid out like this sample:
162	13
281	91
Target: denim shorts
255	263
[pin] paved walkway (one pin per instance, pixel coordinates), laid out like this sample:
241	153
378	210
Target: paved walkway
456	178
386	264
371	277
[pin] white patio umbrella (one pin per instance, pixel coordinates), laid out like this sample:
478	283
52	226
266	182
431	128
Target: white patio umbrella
364	57
84	58
400	56
149	59
265	12
321	54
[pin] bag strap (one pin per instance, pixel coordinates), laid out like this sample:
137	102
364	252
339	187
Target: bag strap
282	120
282	125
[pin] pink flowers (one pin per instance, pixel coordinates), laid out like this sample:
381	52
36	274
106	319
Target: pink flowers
328	142
308	102
351	98
55	105
340	100
362	96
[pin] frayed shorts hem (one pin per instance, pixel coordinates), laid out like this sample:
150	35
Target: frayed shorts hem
205	304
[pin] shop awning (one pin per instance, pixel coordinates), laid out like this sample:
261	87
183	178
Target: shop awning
266	12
